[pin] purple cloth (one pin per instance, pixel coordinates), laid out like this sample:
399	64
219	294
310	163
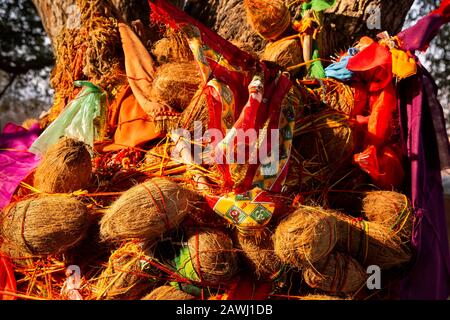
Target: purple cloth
428	151
419	36
15	161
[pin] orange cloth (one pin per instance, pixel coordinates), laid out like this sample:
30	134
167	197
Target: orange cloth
133	116
131	124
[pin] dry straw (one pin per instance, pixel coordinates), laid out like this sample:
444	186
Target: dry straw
212	254
390	209
66	168
305	236
175	84
45	225
285	52
168	293
335	274
174	47
147	210
269	18
127	275
259	253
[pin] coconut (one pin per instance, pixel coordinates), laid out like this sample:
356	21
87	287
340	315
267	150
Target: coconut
147	210
269	18
175	84
305	236
168	293
45	225
259	254
286	53
212	254
196	112
390	209
336	273
370	243
174	47
65	168
128	274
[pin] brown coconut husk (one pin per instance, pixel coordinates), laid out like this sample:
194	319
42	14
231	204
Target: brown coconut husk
168	293
128	274
147	210
196	112
390	209
269	18
174	47
324	142
175	84
45	225
305	236
335	274
336	95
213	256
66	168
370	243
259	253
285	53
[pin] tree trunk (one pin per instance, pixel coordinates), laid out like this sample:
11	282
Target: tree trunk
345	23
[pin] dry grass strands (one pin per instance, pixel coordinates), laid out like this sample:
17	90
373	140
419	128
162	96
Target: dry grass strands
212	255
269	18
127	275
91	52
174	47
175	84
259	253
305	236
147	210
66	168
370	243
168	293
335	274
390	209
285	53
45	225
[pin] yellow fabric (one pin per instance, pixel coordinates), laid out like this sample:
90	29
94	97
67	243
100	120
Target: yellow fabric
403	64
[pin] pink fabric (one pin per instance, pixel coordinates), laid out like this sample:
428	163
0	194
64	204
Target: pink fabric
15	161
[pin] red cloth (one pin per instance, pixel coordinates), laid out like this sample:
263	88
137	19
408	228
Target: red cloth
7	279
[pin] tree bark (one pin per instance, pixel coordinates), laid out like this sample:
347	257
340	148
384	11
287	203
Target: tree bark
344	23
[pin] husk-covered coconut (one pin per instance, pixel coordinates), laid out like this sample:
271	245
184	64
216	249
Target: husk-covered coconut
175	84
212	255
269	18
147	210
44	225
305	236
259	253
285	53
174	47
168	293
390	209
65	168
370	243
336	273
324	142
128	274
